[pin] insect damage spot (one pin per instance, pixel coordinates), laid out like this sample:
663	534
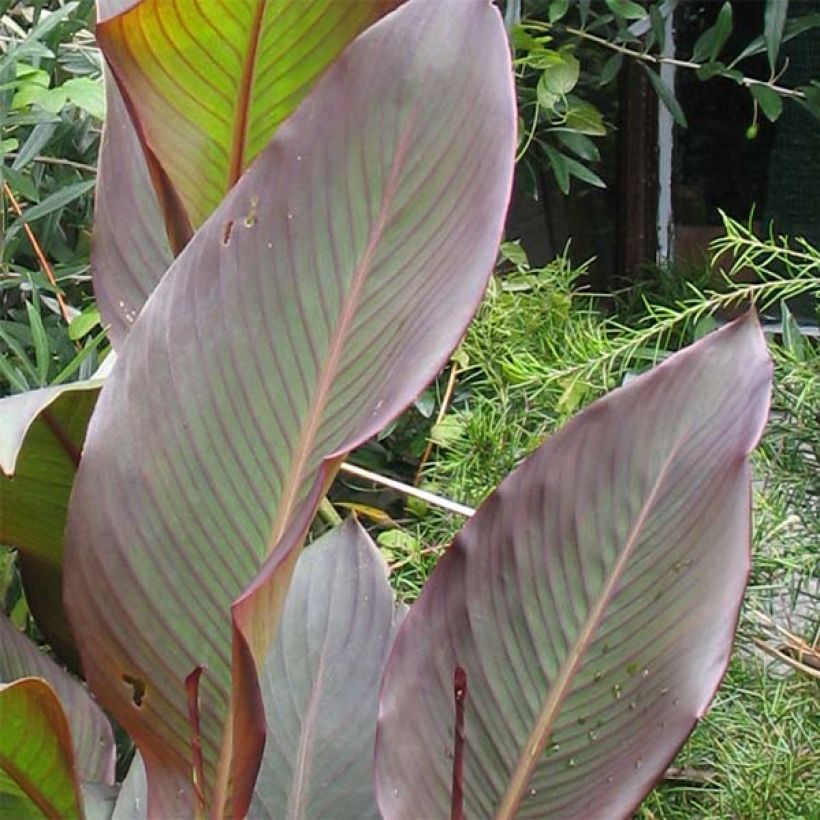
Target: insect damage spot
137	689
226	233
250	219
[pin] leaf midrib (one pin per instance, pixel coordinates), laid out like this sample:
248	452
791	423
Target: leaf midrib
239	142
534	747
336	347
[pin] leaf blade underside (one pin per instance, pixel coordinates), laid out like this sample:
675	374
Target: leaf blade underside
321	297
592	602
321	681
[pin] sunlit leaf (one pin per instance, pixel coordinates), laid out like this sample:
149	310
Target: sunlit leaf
91	737
36	761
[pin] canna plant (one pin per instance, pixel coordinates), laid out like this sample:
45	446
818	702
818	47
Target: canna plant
298	209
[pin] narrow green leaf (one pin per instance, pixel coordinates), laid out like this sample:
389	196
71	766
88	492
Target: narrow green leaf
667	96
610	69
42	353
658	27
792	28
580	171
793	339
627	9
22	358
40	136
21	183
579	144
708	46
770	102
557	10
83	324
13	376
774	20
558	162
91	346
54	202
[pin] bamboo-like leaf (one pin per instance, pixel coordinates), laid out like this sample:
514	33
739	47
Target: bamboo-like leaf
41	436
319	299
591	602
321	682
774	20
209	81
91	737
36	762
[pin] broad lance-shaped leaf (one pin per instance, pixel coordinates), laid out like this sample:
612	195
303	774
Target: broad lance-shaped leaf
37	776
91	735
130	249
41	436
323	294
209	81
591	602
321	682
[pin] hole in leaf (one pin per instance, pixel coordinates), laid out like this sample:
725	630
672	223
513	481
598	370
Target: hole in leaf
137	689
226	233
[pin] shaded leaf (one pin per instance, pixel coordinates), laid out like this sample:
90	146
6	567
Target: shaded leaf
561	75
322	295
54	202
707	47
627	9
36	761
41	436
132	801
774	20
130	248
792	28
591	601
667	96
769	101
321	682
610	69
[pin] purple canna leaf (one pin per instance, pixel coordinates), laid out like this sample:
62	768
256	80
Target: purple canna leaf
592	602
